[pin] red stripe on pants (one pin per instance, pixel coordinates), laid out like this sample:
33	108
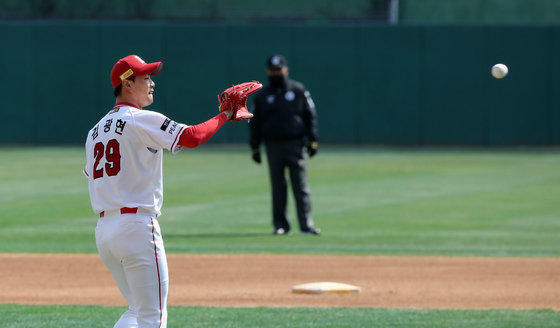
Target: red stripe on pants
157	266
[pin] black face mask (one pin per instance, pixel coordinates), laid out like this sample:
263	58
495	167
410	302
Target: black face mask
277	81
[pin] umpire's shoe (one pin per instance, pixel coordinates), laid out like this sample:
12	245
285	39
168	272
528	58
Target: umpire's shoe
281	231
311	232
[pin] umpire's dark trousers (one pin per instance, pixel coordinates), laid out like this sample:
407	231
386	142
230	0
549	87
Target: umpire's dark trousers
290	154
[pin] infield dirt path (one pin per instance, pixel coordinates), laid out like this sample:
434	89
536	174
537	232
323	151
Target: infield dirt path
266	280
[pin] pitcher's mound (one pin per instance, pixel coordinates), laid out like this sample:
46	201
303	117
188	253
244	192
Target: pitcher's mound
325	287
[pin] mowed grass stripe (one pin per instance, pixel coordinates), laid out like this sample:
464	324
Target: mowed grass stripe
366	200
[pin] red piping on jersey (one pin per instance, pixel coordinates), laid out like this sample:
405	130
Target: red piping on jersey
177	138
126	104
196	135
159	278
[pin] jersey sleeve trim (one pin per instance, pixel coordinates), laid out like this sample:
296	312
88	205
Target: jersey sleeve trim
175	148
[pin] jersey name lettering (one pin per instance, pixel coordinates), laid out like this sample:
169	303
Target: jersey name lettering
107	126
119	126
95	132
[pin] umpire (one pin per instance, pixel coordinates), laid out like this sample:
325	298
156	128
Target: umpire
286	121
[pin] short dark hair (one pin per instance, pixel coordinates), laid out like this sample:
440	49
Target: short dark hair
118	89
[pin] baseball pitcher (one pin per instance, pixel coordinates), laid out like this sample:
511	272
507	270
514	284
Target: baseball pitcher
124	172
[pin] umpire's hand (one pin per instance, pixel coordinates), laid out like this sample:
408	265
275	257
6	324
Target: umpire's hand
312	148
256	156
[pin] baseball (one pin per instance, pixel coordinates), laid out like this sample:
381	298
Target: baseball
499	71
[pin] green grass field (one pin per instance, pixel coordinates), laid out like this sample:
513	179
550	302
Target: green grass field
367	201
17	316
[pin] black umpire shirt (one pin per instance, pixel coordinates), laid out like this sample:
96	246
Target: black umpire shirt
284	113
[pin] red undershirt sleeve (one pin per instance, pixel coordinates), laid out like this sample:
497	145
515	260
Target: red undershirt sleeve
196	135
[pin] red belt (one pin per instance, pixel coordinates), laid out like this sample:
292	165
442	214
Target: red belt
124	210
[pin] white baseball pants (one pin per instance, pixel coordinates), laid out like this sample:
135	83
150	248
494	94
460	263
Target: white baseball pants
132	248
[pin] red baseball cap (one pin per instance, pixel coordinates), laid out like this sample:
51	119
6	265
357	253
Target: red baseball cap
132	65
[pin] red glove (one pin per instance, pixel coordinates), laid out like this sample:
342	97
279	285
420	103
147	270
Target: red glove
235	99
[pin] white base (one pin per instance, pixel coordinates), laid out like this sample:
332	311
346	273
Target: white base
325	287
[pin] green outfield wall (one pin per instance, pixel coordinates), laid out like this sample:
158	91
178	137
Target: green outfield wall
372	84
409	11
479	11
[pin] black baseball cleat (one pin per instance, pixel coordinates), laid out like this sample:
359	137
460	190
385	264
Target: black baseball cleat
281	231
311	231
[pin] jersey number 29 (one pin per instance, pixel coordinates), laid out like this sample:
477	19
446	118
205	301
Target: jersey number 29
112	157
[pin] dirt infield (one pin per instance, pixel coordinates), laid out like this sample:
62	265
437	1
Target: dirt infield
266	280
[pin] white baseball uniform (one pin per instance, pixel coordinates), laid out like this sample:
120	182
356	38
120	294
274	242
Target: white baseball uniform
124	170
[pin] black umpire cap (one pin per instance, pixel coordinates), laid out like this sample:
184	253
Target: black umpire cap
276	62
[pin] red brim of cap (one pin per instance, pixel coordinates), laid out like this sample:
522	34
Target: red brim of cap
151	68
